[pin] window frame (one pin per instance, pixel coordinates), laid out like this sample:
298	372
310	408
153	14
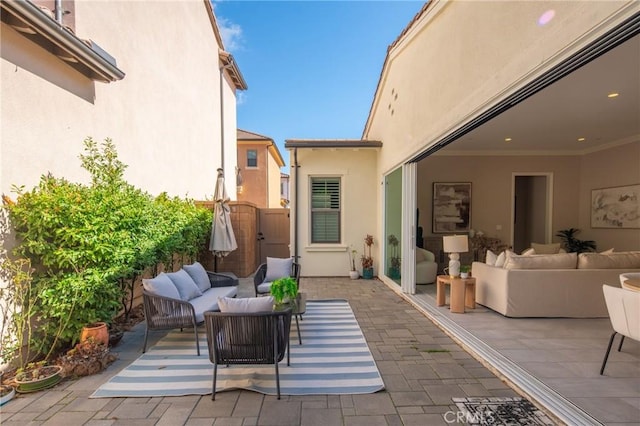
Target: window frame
255	152
337	212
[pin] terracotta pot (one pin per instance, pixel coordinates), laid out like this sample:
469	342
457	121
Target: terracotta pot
98	331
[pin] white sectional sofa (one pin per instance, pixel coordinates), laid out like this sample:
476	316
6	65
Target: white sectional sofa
555	285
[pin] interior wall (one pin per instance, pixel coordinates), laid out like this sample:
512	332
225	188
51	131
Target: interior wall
618	166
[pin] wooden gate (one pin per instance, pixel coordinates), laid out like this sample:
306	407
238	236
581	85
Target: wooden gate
273	234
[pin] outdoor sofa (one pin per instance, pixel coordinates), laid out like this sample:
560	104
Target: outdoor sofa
180	299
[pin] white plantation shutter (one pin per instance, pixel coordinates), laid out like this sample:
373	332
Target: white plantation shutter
325	210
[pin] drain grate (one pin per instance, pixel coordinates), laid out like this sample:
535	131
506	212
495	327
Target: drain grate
499	411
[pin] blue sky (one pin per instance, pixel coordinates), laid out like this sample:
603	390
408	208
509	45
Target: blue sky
312	67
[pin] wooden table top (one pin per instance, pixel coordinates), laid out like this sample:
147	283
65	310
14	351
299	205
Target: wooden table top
633	284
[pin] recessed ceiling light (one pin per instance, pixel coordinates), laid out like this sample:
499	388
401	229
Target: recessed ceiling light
507	139
613	95
581	139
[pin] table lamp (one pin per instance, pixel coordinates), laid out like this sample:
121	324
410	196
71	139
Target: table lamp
454	244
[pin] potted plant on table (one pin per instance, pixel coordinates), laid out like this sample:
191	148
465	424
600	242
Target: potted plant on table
394	267
284	291
366	258
465	270
353	273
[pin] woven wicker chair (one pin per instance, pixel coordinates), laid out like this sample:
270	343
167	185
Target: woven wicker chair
164	313
247	339
261	273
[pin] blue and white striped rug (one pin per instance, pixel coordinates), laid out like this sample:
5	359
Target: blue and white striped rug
333	359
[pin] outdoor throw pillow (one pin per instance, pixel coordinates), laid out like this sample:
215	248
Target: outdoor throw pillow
246	305
278	268
198	275
185	284
161	286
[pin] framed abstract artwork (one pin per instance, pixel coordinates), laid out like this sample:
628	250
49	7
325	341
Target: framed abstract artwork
616	207
451	207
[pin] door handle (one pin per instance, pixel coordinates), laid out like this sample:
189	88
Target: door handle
260	236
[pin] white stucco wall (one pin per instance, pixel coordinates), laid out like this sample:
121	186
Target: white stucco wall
360	197
164	116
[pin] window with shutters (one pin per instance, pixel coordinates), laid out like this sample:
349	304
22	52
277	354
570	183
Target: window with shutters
325	210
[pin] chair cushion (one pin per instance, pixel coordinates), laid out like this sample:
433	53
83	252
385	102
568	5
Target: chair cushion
198	275
209	300
185	284
264	288
246	305
161	286
278	268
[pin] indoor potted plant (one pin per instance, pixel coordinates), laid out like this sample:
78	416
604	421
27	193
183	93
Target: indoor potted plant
366	259
353	273
465	270
284	291
394	267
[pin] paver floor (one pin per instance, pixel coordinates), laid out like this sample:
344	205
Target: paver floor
422	368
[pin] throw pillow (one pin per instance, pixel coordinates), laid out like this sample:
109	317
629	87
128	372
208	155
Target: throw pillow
246	305
161	286
607	251
278	268
185	284
502	257
198	275
546	248
542	261
491	258
528	252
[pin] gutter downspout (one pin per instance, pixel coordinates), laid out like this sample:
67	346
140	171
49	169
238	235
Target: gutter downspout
222	116
295	204
58	10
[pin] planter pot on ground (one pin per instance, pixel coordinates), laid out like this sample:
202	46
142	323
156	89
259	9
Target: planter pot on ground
98	331
367	273
46	377
354	275
6	394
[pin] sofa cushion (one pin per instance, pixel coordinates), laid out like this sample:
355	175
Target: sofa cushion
209	300
246	305
185	284
542	261
161	286
552	248
198	275
278	268
501	259
607	251
620	260
491	258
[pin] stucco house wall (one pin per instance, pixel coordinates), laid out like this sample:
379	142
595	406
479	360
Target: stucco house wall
360	198
273	171
164	116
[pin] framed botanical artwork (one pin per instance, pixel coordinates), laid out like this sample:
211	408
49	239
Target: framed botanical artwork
616	207
451	207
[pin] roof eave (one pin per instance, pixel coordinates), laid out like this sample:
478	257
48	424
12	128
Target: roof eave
337	143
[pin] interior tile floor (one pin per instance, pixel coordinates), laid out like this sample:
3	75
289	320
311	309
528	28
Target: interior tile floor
425	356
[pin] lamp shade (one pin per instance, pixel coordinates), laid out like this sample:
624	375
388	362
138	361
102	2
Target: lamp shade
455	244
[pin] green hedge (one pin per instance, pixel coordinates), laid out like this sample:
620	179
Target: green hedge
89	243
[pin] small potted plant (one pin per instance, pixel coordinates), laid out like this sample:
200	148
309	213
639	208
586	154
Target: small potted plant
284	291
394	267
465	270
7	392
353	273
36	376
366	259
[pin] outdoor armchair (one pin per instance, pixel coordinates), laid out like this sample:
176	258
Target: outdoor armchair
280	268
239	338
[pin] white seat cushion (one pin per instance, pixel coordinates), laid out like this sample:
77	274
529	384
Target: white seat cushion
264	288
209	300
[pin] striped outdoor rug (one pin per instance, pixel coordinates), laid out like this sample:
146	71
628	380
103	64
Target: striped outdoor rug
333	359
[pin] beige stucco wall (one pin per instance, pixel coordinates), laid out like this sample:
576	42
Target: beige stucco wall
360	197
164	116
273	179
464	56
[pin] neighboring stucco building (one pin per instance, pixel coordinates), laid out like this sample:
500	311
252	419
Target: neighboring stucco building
154	77
460	76
259	163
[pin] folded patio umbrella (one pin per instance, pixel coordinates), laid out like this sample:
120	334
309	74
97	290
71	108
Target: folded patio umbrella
223	240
